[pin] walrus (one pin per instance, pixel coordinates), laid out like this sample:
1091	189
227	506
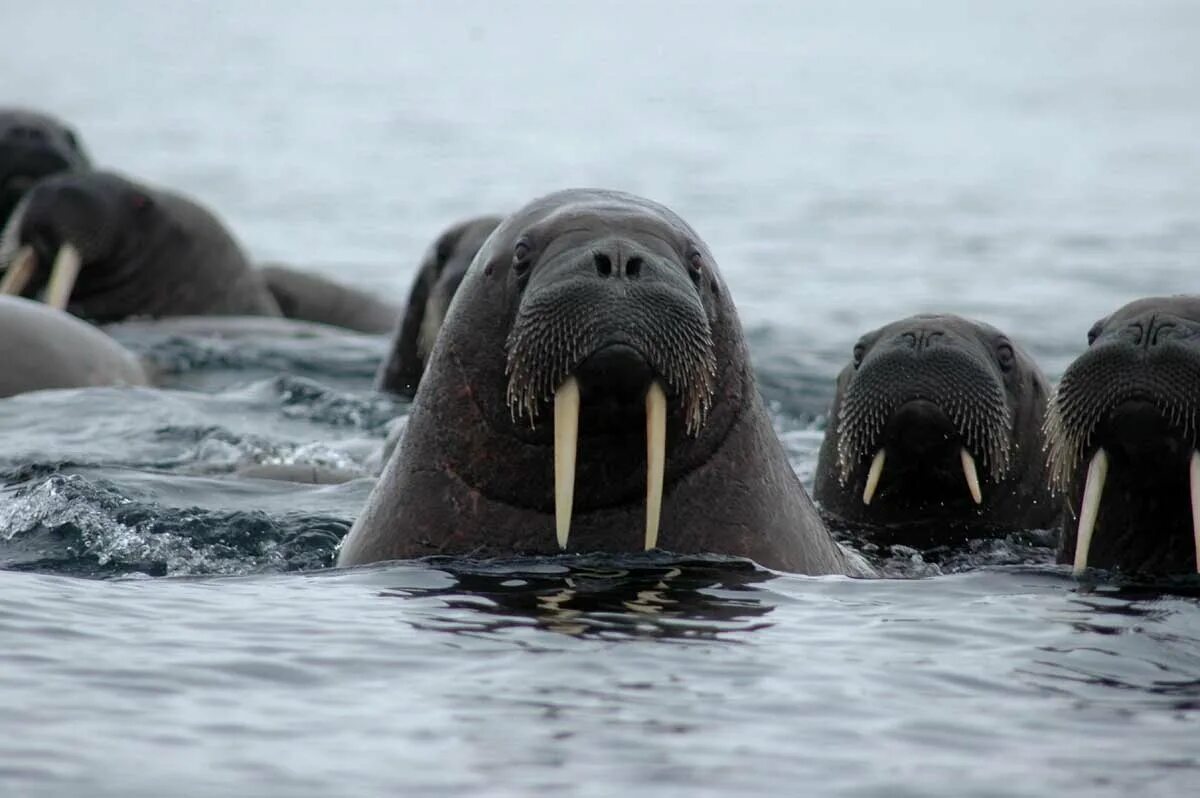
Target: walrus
1122	433
606	313
45	348
305	296
106	249
32	146
935	436
438	277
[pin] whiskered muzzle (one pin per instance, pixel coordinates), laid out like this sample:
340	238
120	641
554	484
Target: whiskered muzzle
970	402
549	350
1106	386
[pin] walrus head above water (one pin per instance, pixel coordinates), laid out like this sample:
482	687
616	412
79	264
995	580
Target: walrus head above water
107	248
591	389
438	277
935	434
32	146
1122	432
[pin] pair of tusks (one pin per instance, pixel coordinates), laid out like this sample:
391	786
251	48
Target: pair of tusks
1093	491
566	444
876	471
62	275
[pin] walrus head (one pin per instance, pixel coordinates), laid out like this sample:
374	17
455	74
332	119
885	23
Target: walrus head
32	146
1122	435
438	277
936	421
72	235
592	324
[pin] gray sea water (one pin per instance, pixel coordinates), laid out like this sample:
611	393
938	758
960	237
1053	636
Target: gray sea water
169	628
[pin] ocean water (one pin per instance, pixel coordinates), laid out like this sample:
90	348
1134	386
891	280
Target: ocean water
168	627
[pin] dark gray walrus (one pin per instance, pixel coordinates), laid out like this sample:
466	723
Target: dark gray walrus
591	389
935	436
45	348
32	146
122	250
306	296
438	277
1122	429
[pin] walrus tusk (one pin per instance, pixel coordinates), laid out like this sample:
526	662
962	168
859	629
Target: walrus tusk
873	476
968	464
1093	489
62	276
656	458
19	272
566	443
1194	483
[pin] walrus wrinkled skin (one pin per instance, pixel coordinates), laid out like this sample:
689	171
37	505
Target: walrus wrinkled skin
438	277
306	296
935	436
32	146
43	348
604	309
1122	429
136	251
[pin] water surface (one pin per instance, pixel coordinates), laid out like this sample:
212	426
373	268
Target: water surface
168	627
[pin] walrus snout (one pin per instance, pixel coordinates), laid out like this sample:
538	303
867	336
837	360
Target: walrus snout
923	398
1125	421
609	327
624	310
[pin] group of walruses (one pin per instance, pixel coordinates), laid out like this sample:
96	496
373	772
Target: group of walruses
581	382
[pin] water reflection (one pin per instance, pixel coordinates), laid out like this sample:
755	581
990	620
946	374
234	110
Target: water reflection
1131	639
651	596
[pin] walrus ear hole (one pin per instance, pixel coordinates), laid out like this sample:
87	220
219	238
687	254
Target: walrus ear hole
1005	356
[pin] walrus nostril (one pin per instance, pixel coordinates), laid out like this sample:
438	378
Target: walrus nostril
23	133
633	267
603	264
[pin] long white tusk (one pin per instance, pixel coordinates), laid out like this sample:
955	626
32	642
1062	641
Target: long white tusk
656	459
62	276
873	476
968	464
1194	481
566	444
20	271
1093	490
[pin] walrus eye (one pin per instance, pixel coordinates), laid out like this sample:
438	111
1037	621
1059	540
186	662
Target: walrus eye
1094	333
859	352
1005	356
521	261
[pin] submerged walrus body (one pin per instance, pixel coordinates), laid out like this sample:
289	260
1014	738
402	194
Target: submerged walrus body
591	390
106	249
1123	430
42	348
306	296
935	436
